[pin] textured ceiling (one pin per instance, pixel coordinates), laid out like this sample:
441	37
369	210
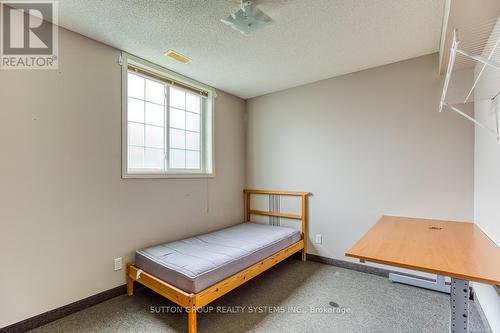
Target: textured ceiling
310	40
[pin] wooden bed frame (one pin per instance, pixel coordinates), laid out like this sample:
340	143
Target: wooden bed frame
194	301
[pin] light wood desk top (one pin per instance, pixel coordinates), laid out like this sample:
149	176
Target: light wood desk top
455	249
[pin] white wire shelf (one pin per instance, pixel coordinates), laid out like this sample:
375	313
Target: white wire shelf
483	54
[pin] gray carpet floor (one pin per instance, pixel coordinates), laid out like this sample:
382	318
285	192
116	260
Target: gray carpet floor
291	297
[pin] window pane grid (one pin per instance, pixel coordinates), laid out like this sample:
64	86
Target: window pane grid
184	153
141	123
195	150
149	147
182	129
172	139
173	107
145	100
146	145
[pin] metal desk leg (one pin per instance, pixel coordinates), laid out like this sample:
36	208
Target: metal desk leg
459	305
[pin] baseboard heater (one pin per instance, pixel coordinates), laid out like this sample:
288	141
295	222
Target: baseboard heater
438	284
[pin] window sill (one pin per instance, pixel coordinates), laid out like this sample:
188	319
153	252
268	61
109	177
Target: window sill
167	176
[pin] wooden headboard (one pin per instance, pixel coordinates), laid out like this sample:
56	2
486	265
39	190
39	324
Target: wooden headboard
303	212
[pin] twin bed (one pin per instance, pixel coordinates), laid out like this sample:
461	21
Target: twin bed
195	271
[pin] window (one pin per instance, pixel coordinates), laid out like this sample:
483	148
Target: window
168	127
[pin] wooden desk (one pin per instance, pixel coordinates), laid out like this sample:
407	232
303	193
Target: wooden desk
459	250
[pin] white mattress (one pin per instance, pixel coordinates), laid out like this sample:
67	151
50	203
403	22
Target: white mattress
196	263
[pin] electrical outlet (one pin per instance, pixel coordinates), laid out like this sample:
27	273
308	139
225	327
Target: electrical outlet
118	264
318	239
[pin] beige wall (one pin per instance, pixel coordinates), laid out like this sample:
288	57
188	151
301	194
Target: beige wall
365	144
65	211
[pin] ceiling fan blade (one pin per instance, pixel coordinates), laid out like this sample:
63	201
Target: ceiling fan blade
261	16
228	20
248	19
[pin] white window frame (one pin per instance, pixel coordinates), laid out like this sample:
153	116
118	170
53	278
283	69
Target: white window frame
207	130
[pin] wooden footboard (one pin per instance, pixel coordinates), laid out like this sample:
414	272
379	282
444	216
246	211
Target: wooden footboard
194	301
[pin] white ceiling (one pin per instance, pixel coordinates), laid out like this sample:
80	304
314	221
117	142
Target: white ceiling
310	40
